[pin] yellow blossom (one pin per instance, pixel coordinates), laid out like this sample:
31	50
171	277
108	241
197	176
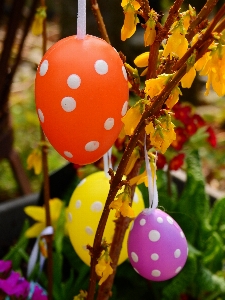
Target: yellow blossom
173	97
150	32
121	205
34	160
38	214
103	268
139	179
213	66
155	85
37	25
134	3
161	135
82	295
133	116
142	60
130	20
177	44
188	78
132	160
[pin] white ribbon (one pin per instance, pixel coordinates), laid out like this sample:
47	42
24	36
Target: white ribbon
81	19
107	161
34	253
152	187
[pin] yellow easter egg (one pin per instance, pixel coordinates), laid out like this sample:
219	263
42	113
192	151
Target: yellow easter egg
84	212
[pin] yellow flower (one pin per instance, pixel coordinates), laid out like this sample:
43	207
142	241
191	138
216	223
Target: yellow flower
132	160
130	21
150	32
213	65
173	97
176	45
134	3
121	205
81	296
139	179
40	16
103	268
161	135
142	60
34	160
188	78
38	214
155	85
133	116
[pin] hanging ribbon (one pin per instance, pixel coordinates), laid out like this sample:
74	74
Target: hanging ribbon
81	19
107	161
152	187
34	253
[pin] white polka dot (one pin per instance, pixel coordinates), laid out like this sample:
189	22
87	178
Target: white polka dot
91	146
131	226
82	182
178	270
109	123
68	104
124	72
124	108
41	115
89	230
134	256
156	273
177	253
135	199
78	204
182	234
160	220
85	247
154	235
136	270
96	206
154	256
142	222
101	67
70	218
73	81
43	68
169	219
68	154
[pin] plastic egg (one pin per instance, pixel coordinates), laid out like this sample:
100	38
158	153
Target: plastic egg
81	93
157	247
84	212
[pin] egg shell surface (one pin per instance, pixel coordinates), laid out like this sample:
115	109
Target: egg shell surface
81	93
157	247
84	212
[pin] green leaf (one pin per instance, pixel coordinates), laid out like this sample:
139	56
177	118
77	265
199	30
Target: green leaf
180	283
60	231
17	252
214	253
217	213
207	283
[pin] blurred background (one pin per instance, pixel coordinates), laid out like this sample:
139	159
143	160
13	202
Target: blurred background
21	52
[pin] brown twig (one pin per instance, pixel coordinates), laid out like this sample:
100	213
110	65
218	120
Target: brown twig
101	25
162	33
203	14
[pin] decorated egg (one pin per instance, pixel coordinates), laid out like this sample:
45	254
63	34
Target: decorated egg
84	212
81	93
157	247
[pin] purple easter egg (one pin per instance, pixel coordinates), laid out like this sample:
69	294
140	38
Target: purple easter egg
157	246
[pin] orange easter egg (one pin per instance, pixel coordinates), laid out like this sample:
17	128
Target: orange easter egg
81	93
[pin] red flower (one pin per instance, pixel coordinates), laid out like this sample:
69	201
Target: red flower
182	113
161	161
177	161
181	138
212	137
198	120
